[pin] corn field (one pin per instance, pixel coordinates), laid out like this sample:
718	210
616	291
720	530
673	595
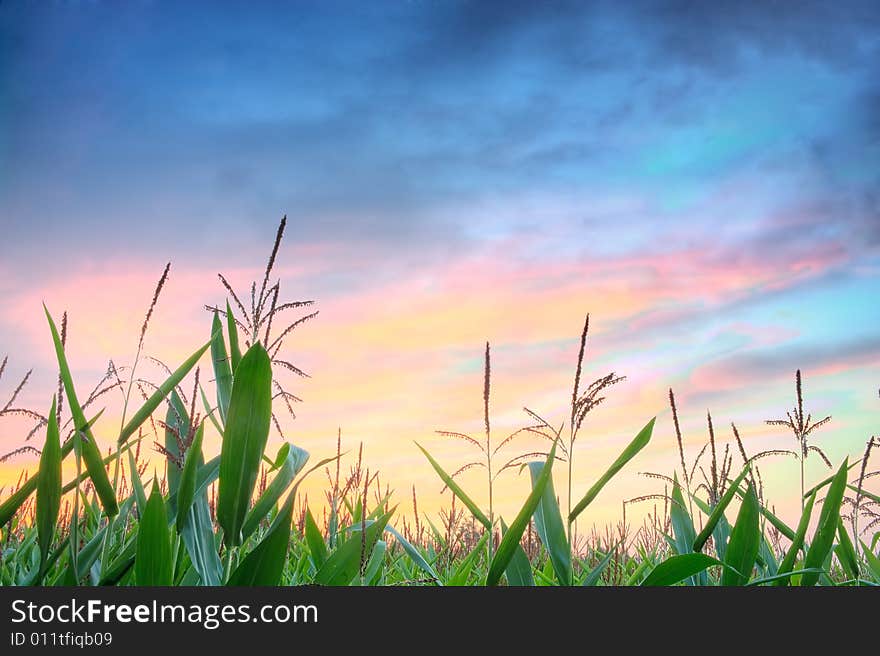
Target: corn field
236	517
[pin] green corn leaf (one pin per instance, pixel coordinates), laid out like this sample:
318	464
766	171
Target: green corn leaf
265	564
197	529
380	506
720	537
439	538
373	569
824	579
788	562
208	474
176	429
68	579
90	452
721	532
827	481
456	490
222	368
15	500
159	395
677	568
592	578
209	411
333	523
462	573
718	511
49	486
298	458
293	459
548	522
767	558
190	578
414	554
152	565
121	565
198	538
317	546
639	442
244	440
53	557
511	539
846	553
745	539
91	511
780	526
88	555
682	525
186	489
865	493
637	573
343	565
872	561
139	494
519	569
823	538
545	577
777	579
232	329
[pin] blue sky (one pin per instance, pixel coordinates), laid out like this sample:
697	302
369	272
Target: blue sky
389	119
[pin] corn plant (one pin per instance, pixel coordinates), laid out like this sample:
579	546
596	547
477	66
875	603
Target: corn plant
801	427
235	517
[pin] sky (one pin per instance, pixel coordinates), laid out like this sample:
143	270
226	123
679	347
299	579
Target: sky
702	178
